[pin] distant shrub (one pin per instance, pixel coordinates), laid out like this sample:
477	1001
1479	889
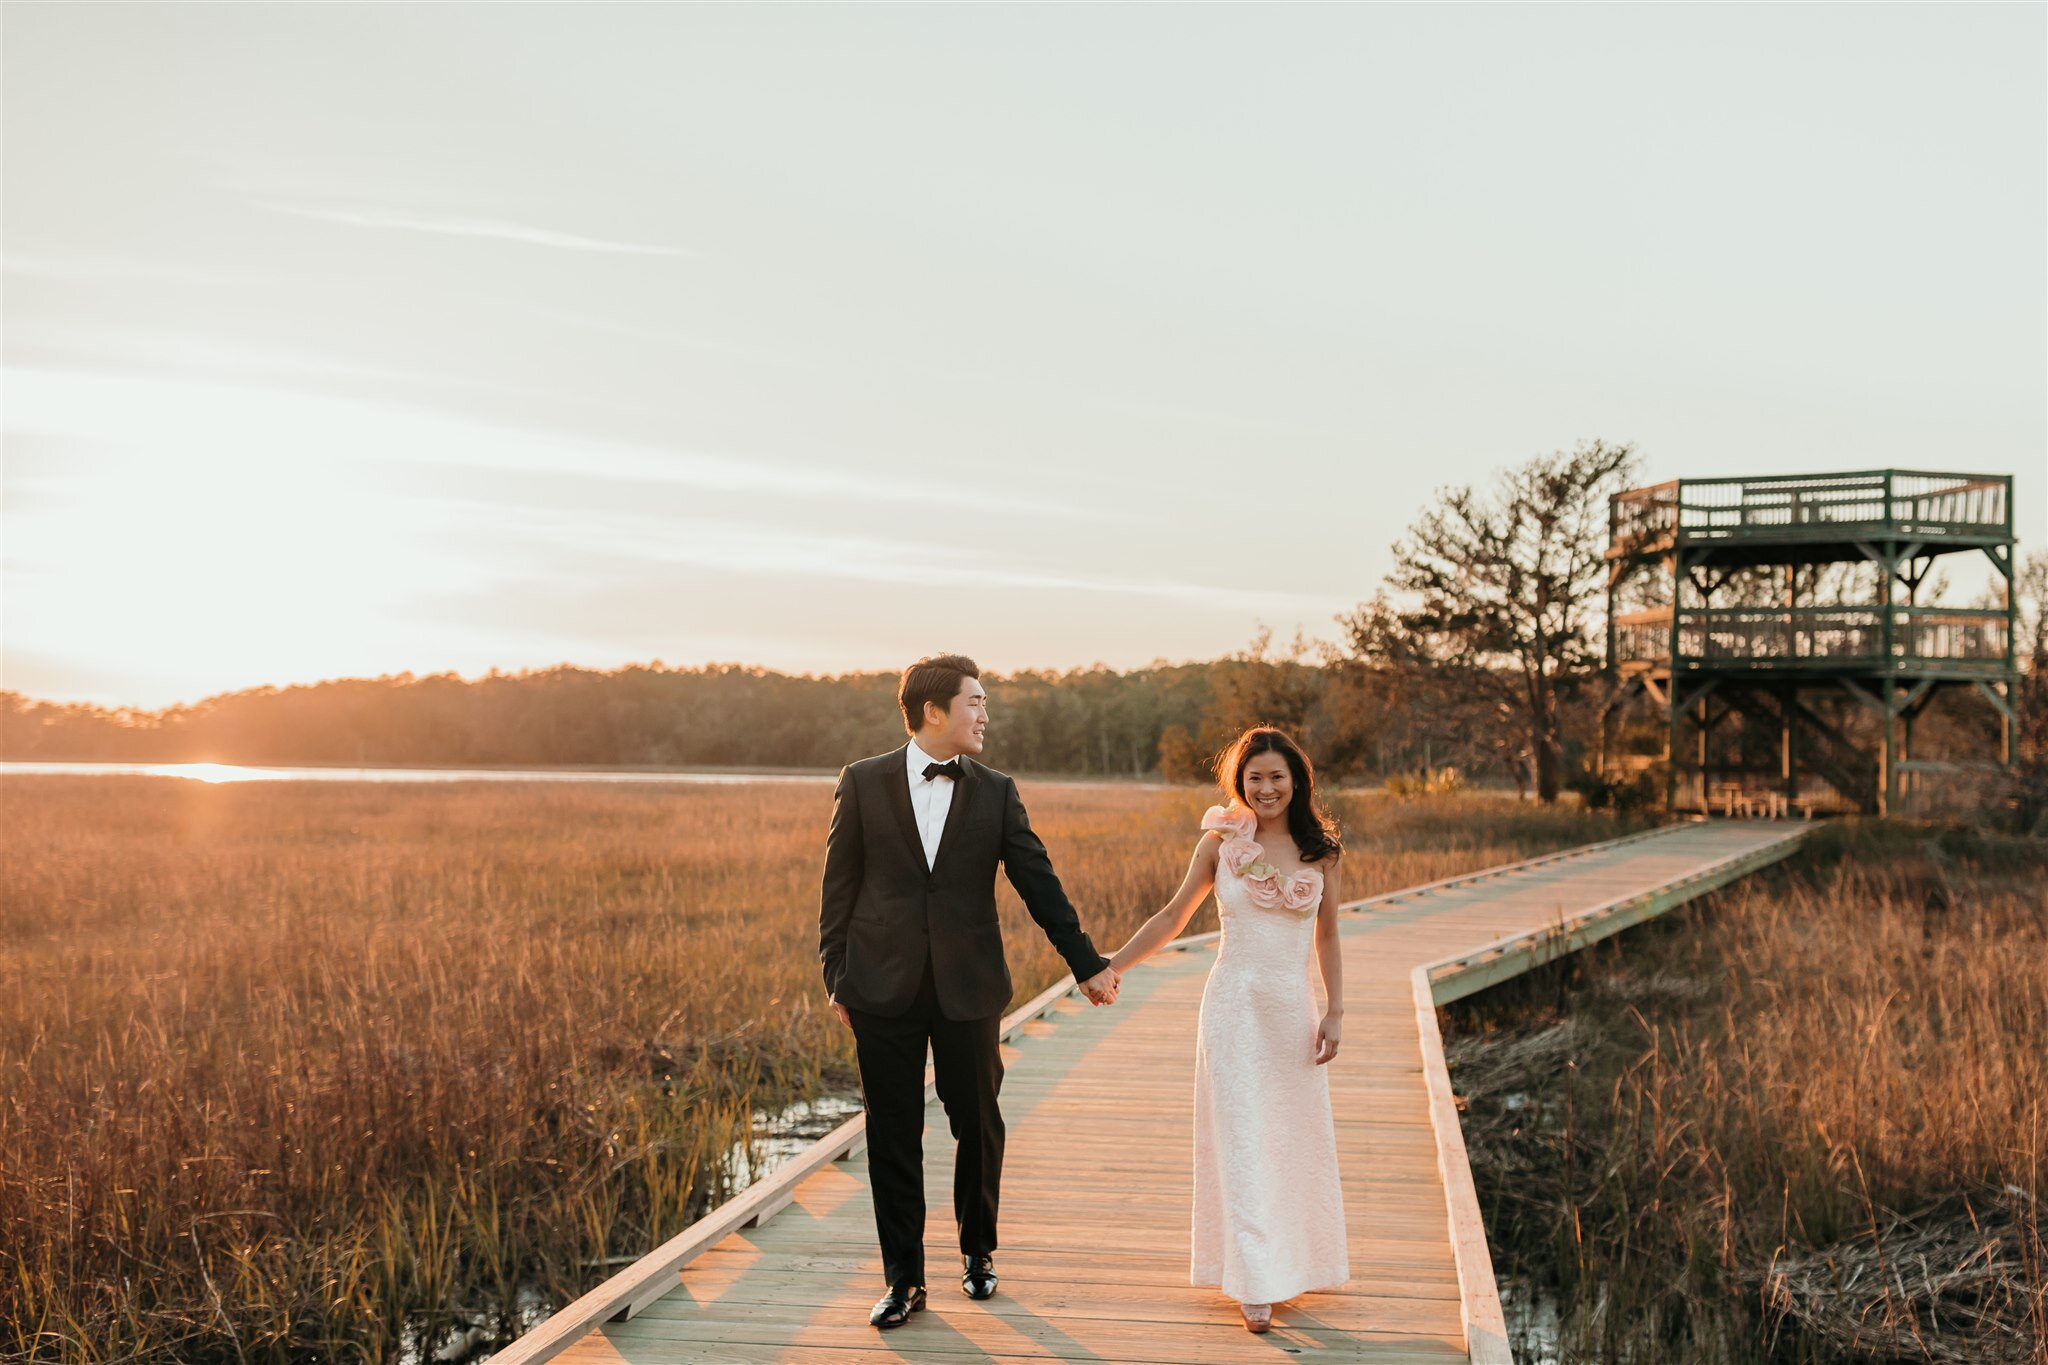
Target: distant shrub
1427	782
1627	795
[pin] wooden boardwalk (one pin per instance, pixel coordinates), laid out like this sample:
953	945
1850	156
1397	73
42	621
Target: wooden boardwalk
1097	1181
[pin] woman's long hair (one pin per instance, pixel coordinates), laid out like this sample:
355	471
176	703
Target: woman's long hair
1315	833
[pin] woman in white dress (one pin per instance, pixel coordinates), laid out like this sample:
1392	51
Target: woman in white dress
1268	1205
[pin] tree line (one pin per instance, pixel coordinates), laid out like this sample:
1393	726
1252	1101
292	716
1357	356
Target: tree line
1480	654
1166	721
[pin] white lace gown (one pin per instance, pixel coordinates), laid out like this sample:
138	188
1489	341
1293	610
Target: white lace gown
1268	1204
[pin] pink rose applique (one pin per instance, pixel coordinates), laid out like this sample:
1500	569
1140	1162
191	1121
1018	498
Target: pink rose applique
1239	853
1233	822
1264	891
1304	890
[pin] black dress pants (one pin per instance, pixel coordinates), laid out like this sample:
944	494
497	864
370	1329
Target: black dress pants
969	1070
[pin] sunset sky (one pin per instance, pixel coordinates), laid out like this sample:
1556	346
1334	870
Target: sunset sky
346	340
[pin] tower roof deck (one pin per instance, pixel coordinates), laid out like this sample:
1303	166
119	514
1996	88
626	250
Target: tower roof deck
1798	518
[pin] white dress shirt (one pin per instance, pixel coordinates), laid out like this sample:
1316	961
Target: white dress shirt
930	799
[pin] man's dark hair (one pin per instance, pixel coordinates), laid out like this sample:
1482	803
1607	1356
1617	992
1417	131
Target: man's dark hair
934	678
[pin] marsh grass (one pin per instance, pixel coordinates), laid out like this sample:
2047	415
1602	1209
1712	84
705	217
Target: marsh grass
1804	1120
301	1071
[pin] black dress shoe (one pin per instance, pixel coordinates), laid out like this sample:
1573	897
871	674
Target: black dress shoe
896	1306
979	1279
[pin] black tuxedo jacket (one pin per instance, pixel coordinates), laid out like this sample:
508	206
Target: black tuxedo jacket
882	912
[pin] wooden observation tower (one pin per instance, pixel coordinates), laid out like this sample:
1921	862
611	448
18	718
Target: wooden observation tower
1775	623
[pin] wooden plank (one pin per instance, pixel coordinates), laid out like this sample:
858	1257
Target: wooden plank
1391	1267
965	1325
1115	1301
599	1350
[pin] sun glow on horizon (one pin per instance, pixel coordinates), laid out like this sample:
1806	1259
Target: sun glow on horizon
210	773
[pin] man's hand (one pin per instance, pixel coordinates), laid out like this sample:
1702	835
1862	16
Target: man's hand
1101	988
845	1015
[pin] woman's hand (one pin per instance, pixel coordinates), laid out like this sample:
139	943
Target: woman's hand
1328	1036
1101	988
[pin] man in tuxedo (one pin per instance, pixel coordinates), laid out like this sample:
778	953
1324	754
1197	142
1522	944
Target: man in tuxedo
913	955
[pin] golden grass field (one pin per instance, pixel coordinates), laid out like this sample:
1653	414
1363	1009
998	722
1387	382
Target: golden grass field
315	1070
1805	1119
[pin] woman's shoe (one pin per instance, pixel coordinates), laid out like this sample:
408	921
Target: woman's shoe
1257	1316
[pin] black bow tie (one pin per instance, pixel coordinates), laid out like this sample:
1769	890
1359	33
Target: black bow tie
950	769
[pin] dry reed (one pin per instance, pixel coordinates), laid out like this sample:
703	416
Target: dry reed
330	1070
1805	1120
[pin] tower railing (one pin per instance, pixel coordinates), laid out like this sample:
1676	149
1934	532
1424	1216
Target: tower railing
1811	507
1960	639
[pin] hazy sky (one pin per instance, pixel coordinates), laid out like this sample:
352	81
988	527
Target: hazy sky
343	340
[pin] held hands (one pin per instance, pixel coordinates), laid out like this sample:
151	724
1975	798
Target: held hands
1328	1035
1101	988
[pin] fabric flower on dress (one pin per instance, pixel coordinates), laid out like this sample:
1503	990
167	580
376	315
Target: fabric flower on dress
1269	888
1262	883
1304	890
1232	822
1239	853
